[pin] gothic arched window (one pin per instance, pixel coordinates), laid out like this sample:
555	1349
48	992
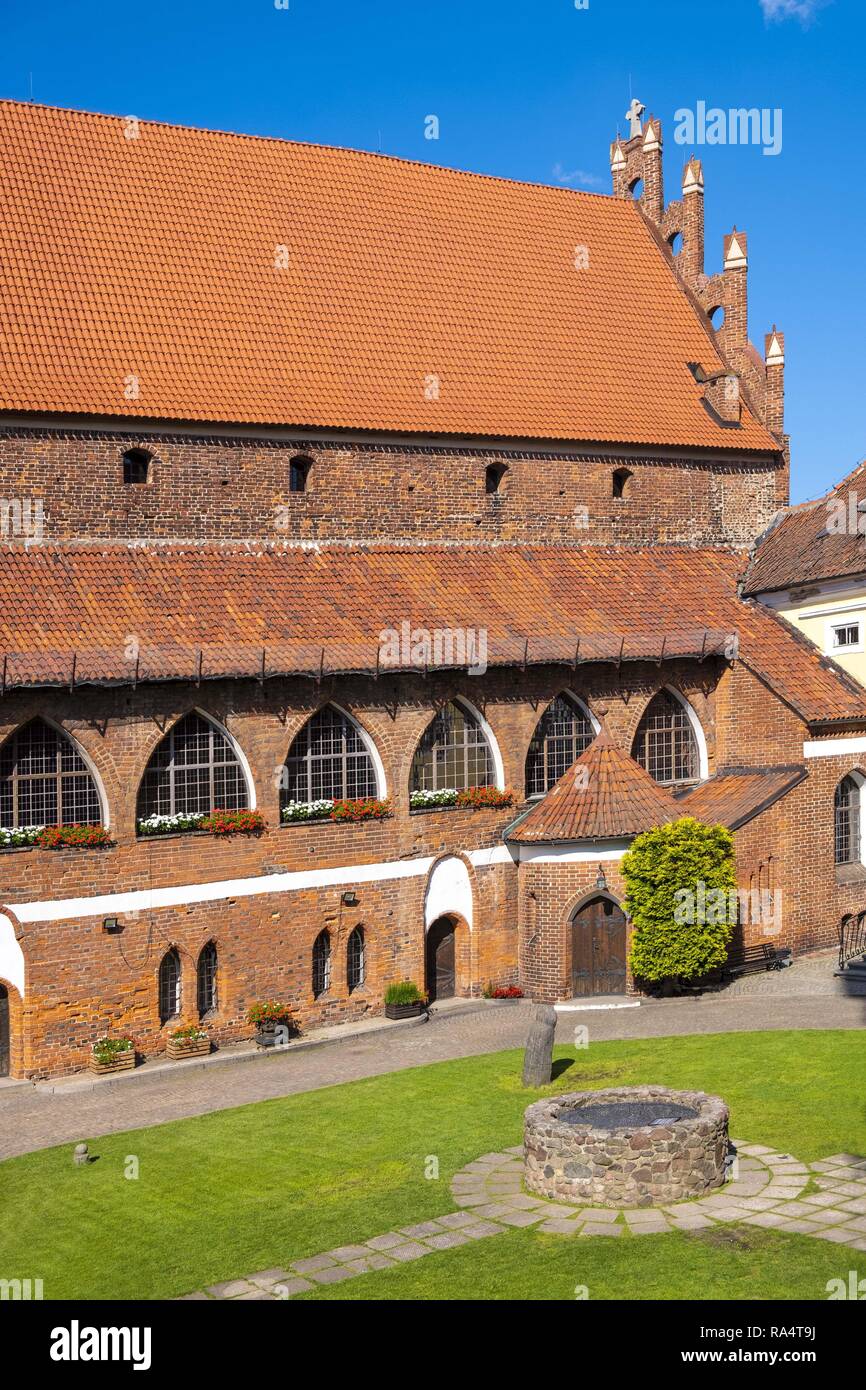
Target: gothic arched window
329	760
322	963
563	732
356	959
665	742
45	781
453	753
169	986
847	821
194	770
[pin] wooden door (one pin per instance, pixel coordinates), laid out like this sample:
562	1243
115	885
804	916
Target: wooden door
441	976
598	947
4	1031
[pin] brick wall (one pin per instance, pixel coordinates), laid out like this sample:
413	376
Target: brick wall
218	488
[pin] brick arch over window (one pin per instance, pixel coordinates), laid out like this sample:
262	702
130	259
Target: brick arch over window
564	731
848	819
456	751
669	741
196	768
46	780
331	758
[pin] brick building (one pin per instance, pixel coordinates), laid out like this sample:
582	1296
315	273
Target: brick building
328	476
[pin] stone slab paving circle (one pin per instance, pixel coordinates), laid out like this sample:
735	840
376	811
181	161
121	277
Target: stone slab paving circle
826	1200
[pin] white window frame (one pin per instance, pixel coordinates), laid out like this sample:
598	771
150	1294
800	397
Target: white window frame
833	625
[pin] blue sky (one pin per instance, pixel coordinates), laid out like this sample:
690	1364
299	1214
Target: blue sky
533	89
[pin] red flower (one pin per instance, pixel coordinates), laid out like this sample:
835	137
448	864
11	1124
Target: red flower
73	837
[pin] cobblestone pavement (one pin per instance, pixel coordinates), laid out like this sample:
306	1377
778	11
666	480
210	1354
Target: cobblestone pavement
36	1118
827	1201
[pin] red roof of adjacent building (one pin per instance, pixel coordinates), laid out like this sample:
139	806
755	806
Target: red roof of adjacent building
604	795
161	272
173	611
823	539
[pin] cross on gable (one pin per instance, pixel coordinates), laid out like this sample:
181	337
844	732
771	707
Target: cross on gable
633	115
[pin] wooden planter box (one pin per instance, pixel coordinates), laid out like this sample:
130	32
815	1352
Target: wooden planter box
125	1061
405	1010
179	1052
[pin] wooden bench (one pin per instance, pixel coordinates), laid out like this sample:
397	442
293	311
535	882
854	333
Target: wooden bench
744	960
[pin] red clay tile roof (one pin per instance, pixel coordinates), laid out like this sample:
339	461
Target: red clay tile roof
604	795
814	540
736	795
236	610
142	277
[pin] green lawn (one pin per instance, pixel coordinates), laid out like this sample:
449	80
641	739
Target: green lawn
230	1193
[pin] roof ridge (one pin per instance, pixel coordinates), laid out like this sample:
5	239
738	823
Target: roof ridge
306	144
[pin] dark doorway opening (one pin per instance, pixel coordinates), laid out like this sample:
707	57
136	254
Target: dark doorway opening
441	973
598	948
4	1031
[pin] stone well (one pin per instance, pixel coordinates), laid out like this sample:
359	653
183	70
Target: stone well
632	1146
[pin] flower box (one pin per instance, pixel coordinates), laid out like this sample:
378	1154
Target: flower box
403	999
406	1010
114	1059
178	1050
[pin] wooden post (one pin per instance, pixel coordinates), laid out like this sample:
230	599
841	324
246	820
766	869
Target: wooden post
538	1057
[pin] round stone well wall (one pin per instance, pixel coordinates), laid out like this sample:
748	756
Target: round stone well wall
634	1146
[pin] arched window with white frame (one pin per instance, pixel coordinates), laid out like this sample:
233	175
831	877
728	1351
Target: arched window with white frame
666	743
847	820
564	731
44	780
454	753
194	770
330	759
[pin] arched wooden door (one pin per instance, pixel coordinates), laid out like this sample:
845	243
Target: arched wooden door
598	948
441	969
4	1031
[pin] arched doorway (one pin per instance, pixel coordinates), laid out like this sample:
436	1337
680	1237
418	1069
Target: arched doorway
4	1031
441	963
598	948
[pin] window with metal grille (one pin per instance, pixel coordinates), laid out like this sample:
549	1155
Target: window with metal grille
169	986
562	734
322	963
452	754
356	959
45	781
329	758
136	466
206	979
194	769
665	743
847	821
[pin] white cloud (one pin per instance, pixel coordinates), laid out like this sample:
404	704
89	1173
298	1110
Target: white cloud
804	10
580	176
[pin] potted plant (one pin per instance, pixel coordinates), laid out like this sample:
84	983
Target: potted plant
189	1041
112	1054
404	1000
503	994
273	1022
